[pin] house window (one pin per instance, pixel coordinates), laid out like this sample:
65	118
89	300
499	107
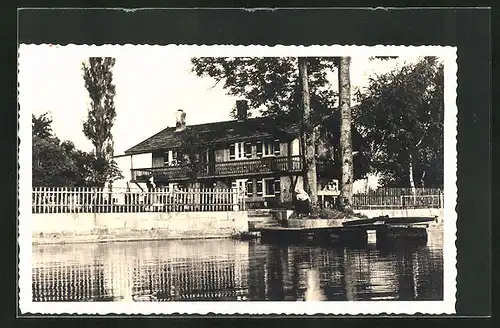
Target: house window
232	151
176	158
271	148
173	158
237	151
158	160
268	148
248	149
181	158
249	188
240	184
268	187
276	147
259	187
259	148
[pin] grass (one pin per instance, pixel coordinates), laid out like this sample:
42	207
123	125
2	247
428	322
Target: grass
329	214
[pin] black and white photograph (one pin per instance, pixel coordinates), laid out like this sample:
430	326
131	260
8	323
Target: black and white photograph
237	179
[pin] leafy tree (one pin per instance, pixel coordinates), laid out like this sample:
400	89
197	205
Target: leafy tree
60	164
98	77
52	165
273	85
401	114
52	160
100	170
41	126
193	149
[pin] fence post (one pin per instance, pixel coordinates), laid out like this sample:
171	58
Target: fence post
235	198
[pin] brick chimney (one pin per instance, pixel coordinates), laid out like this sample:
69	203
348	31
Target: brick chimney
180	120
241	110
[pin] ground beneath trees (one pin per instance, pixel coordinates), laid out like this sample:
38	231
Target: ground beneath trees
328	214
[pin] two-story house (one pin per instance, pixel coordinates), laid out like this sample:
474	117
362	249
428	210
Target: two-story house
259	155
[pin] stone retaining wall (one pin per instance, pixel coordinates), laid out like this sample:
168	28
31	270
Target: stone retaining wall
99	227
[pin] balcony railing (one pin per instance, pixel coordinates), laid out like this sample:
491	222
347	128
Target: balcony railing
243	167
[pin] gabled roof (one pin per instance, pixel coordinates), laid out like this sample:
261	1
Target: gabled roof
220	132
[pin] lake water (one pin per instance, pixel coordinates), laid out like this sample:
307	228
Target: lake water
229	270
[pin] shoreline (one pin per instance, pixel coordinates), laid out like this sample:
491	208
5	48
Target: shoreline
65	239
86	240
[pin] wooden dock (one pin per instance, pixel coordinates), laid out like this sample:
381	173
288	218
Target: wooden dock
353	231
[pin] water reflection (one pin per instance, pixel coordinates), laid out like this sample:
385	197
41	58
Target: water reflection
236	270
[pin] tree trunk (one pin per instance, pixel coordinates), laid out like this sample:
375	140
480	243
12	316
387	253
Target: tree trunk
412	180
308	135
410	173
345	200
422	179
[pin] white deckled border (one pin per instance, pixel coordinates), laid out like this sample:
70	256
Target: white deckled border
447	306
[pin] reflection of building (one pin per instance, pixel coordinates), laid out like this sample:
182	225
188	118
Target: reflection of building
280	272
403	273
368	275
60	273
231	270
130	272
63	282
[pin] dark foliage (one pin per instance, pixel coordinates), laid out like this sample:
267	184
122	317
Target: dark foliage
60	164
401	115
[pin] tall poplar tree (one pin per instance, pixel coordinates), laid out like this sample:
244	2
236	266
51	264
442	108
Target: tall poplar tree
98	77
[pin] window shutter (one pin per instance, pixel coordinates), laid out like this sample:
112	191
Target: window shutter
259	187
248	150
276	147
259	148
277	187
232	151
249	188
166	158
241	151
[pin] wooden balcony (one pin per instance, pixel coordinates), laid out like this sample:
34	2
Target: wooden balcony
238	168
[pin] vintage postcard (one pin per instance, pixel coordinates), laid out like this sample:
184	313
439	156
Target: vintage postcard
237	179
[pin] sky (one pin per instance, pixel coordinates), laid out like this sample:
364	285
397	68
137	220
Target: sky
151	84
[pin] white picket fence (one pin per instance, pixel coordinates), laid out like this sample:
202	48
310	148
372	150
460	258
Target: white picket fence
399	198
103	200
